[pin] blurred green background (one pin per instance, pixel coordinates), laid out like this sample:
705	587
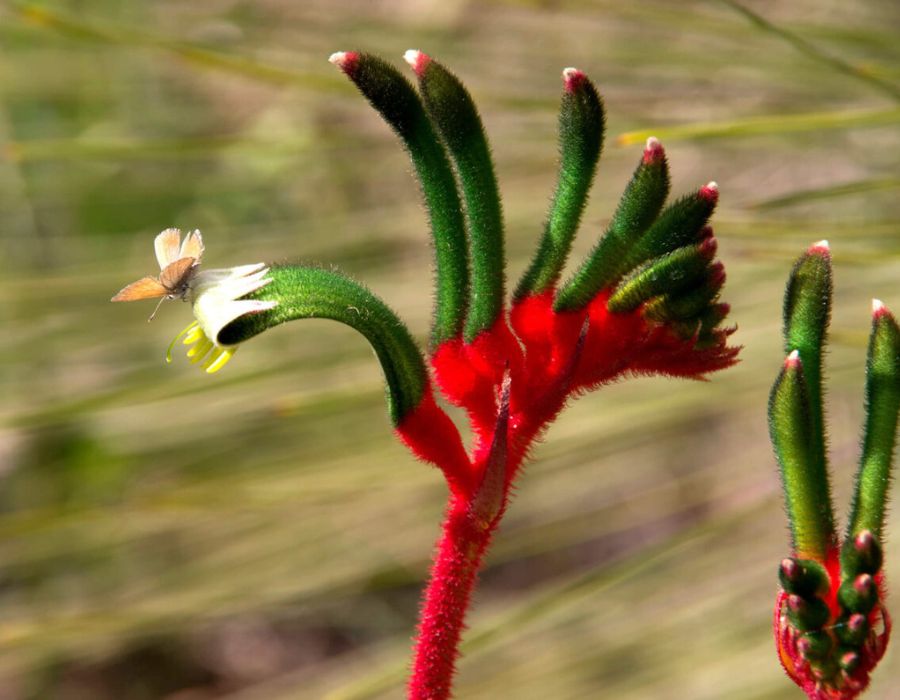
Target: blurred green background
259	533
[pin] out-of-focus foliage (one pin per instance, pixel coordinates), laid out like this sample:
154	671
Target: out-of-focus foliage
168	534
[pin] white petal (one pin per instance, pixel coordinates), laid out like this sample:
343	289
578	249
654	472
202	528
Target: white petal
217	296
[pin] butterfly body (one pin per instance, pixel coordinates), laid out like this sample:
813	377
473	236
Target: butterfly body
178	263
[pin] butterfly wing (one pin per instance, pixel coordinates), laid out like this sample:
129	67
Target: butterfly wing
192	246
175	277
167	246
145	288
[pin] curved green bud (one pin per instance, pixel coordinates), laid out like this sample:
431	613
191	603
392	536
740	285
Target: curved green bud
882	405
309	292
689	303
671	273
861	554
858	594
398	103
807	309
581	125
807	614
852	630
815	645
680	224
806	489
639	206
453	112
803	577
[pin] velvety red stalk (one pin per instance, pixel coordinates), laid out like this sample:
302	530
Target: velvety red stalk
430	435
456	564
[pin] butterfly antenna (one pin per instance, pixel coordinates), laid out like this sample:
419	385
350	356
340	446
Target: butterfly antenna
153	315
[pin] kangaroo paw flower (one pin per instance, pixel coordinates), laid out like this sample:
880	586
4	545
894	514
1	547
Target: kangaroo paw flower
831	624
645	300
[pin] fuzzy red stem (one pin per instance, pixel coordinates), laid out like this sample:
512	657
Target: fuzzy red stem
456	564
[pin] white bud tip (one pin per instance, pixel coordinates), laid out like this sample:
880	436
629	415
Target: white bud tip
568	72
337	58
412	57
793	359
653	142
822	244
877	306
712	185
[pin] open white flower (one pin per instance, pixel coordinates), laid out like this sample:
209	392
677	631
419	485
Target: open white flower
217	299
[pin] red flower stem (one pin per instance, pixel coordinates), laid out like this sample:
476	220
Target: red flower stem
459	556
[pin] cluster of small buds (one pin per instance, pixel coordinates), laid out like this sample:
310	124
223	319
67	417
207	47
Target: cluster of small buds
830	642
831	625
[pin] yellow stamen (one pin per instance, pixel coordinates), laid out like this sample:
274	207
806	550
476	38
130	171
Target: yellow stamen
213	357
220	361
194	326
194	335
197	352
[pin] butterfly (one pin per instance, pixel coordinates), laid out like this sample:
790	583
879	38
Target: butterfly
178	263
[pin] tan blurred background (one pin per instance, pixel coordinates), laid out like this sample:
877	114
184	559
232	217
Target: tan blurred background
259	534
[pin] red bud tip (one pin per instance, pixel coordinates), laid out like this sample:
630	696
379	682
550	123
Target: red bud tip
792	361
856	622
794	602
653	151
804	645
417	60
820	248
865	540
705	232
708	248
347	61
710	192
850	660
863	583
573	79
879	310
717	274
789	567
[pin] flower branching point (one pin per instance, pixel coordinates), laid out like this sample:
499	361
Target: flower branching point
644	301
831	624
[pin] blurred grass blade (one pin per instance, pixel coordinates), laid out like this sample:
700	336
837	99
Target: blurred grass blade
105	33
37	150
812	51
764	125
848	188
